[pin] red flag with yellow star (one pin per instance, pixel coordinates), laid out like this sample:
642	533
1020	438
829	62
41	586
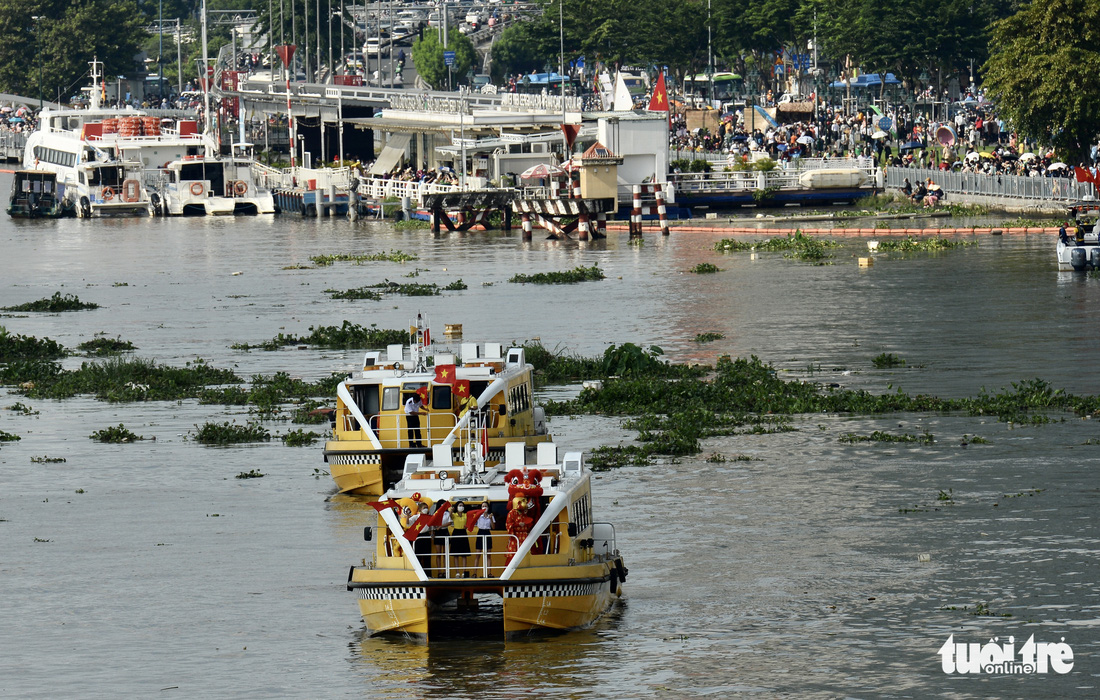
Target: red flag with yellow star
659	100
444	374
461	388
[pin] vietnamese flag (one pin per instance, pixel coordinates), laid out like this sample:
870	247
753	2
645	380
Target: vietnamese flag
434	520
461	388
659	101
445	374
384	505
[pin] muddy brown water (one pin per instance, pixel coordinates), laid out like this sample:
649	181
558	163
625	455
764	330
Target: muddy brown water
788	572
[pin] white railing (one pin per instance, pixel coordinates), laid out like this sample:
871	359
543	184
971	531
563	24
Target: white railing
1056	189
379	189
442	563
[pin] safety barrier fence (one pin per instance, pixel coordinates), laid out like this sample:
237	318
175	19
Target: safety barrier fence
1016	187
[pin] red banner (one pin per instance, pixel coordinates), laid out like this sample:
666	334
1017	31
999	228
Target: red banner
570	131
286	53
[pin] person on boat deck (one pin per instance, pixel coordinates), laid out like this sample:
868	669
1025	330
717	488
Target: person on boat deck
1062	234
413	409
422	546
460	540
1079	234
485	524
440	534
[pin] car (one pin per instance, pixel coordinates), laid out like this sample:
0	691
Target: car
374	47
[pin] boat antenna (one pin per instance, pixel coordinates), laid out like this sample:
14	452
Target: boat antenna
421	340
94	102
206	77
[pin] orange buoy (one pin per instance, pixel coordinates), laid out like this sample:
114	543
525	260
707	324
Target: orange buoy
131	190
240	188
108	194
197	188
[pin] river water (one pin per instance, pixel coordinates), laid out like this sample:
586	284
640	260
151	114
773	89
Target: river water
791	572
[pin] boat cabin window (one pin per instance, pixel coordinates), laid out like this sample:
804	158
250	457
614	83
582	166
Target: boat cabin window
477	388
80	177
204	171
366	397
110	176
391	398
410	388
441	396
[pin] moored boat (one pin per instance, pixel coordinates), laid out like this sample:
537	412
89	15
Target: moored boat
485	392
1079	249
511	549
203	185
35	195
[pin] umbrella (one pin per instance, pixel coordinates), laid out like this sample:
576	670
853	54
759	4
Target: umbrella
880	134
541	171
569	166
973	156
986	155
1056	166
910	145
805	139
1028	156
945	135
15	120
781	147
5	109
740	137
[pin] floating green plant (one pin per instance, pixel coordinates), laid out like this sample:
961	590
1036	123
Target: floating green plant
106	346
300	438
230	433
20	407
115	434
25	347
253	474
705	268
577	274
909	244
411	225
887	360
46	459
8	437
880	436
355	294
343	337
797	245
54	304
358	258
708	337
118	379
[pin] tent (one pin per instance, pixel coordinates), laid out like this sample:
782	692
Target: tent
867	80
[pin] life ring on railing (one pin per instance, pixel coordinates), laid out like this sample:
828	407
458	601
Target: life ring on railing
131	190
197	188
108	194
240	188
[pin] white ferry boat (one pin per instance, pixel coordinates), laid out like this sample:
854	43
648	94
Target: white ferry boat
486	392
153	150
200	185
471	549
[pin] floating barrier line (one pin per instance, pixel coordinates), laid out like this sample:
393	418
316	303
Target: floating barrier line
845	231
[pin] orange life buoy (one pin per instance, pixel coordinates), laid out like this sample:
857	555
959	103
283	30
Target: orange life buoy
108	194
131	190
240	188
197	188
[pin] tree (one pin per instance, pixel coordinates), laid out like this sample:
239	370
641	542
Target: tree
518	50
427	53
1044	73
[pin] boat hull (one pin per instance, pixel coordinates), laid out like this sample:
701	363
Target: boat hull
538	600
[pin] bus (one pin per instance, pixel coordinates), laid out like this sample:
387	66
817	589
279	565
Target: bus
540	83
727	89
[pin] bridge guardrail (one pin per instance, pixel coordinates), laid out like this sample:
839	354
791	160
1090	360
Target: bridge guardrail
1016	187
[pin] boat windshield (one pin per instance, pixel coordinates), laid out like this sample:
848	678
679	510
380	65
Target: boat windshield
107	175
202	170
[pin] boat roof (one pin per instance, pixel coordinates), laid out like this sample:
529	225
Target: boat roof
476	362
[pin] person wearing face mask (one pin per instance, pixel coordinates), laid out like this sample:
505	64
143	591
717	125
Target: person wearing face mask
460	540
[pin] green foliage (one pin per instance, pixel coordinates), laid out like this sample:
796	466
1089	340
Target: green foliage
253	474
118	379
46	459
1044	73
577	274
887	360
880	436
115	434
708	337
25	347
55	304
410	289
343	337
300	438
106	346
230	433
796	245
520	49
910	244
391	256
355	294
427	55
8	437
705	268
411	225
22	408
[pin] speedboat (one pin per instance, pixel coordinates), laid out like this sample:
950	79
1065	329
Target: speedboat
35	195
484	392
459	549
1080	249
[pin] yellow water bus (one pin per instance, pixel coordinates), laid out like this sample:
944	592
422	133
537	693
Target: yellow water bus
531	558
371	435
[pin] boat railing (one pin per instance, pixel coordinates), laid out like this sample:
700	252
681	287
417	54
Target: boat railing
443	563
392	429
